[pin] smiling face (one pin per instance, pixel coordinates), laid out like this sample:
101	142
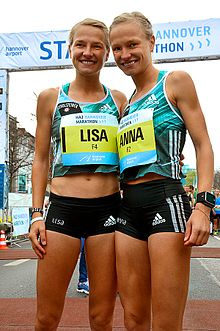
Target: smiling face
88	49
131	47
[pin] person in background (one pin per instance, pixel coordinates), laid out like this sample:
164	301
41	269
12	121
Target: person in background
190	193
216	212
156	227
81	118
83	283
212	215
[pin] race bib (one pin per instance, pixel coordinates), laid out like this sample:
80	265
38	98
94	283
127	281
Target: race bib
136	139
89	138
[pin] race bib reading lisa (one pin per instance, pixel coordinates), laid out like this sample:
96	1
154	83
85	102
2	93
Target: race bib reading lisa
89	138
136	139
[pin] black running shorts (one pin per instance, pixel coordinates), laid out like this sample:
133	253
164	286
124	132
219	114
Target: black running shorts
152	207
79	218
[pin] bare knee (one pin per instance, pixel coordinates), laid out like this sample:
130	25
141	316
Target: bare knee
100	322
134	322
101	318
166	324
46	322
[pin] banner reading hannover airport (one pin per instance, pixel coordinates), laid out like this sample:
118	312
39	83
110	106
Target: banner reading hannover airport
175	41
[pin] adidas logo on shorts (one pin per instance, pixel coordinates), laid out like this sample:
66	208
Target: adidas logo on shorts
158	219
110	221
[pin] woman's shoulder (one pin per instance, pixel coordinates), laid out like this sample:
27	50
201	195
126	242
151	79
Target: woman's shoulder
47	100
49	93
120	99
178	76
119	95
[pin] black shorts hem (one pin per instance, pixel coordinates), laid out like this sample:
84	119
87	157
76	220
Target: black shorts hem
54	229
99	232
133	235
78	236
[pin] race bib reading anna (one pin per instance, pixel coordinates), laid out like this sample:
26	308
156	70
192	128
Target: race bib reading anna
136	139
89	139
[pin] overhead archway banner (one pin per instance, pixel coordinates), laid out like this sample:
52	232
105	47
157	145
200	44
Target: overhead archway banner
175	41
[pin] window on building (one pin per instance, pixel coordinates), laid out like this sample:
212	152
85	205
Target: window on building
22	183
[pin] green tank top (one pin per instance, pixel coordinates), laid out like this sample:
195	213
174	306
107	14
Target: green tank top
169	130
65	106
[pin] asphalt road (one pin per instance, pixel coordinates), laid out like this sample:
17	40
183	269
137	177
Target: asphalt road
17	278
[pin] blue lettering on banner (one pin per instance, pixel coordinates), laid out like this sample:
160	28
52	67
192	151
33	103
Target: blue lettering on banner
182	39
174	40
171	47
20	222
47	47
15	51
198	31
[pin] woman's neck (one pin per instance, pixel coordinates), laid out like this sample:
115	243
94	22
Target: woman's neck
144	83
85	88
146	80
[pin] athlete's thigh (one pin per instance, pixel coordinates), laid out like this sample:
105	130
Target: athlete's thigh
133	272
170	267
55	270
100	257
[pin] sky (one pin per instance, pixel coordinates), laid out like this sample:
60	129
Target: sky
50	15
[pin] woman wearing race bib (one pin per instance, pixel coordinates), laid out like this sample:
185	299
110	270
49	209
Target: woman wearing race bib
81	119
155	228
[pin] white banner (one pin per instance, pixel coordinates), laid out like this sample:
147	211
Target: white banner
34	49
19	200
20	220
185	40
174	41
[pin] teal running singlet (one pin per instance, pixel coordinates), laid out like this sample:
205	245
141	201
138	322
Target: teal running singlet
84	135
151	135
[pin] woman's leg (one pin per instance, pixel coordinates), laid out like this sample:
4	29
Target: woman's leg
170	268
133	271
54	273
100	258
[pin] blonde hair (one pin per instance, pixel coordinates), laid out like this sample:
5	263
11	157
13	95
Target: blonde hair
134	17
91	22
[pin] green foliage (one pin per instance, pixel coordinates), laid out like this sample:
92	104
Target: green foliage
191	177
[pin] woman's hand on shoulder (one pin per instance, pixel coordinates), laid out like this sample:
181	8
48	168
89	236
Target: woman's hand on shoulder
120	100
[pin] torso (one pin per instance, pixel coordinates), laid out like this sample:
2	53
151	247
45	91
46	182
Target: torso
83	181
85	185
169	131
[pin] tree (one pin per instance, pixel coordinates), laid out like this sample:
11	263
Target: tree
21	151
191	177
216	183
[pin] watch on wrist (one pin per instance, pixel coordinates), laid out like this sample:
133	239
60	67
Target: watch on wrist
37	210
206	198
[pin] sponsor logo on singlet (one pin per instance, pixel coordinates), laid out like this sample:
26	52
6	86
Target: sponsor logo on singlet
67	108
152	100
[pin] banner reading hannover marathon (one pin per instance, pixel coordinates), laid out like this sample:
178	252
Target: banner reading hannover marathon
175	41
